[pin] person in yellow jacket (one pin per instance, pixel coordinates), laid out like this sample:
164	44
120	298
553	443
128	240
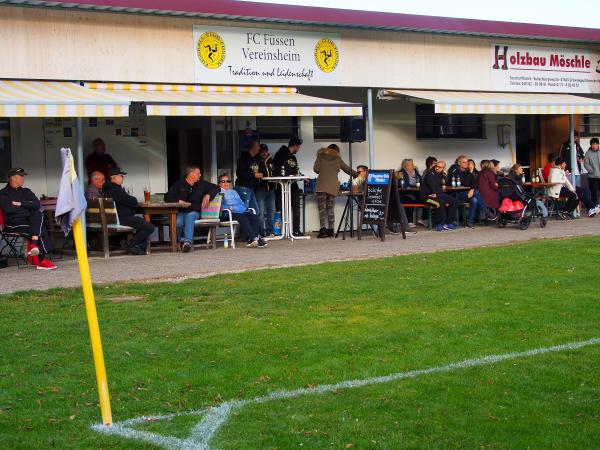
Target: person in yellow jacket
327	165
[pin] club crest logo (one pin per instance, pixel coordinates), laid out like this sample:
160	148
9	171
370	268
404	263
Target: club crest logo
210	49
327	55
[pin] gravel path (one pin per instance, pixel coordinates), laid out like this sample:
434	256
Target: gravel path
202	263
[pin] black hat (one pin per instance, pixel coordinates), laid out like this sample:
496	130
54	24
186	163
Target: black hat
113	171
295	141
594	141
17	171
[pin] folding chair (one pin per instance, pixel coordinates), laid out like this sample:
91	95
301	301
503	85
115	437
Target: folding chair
15	242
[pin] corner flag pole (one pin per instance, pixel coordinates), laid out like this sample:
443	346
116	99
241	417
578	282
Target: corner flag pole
92	317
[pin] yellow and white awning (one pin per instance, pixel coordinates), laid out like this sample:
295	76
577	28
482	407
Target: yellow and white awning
195	100
456	102
26	98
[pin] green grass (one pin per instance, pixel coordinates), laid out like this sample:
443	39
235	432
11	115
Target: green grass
198	343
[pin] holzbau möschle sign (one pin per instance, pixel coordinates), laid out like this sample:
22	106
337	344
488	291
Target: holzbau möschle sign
543	69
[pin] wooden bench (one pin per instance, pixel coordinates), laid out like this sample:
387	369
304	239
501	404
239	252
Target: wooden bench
101	217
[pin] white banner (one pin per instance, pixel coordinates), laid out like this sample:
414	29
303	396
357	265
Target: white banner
543	69
227	55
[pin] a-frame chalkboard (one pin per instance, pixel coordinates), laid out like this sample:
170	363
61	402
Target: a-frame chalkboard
380	202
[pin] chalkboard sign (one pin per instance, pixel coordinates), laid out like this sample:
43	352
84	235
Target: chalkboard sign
381	202
376	195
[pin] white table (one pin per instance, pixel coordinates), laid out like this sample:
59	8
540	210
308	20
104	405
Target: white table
286	205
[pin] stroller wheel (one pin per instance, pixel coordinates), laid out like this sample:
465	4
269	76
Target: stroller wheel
501	223
524	223
491	214
543	221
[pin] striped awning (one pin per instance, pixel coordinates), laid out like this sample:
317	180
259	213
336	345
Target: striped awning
25	98
196	100
456	102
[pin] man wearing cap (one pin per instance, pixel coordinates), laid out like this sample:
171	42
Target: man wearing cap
286	164
99	160
21	211
125	204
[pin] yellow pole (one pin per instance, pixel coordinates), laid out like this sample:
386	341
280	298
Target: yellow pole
92	317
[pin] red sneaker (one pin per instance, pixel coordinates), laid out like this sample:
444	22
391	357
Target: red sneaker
46	264
33	250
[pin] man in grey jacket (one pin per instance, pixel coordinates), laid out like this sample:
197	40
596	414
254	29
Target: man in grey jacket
591	161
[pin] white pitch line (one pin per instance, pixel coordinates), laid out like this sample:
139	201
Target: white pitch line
214	418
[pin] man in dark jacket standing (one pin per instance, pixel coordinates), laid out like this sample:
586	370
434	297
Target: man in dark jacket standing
432	192
265	192
192	194
286	164
248	175
21	211
126	205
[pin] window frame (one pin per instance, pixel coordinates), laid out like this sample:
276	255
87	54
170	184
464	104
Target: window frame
285	134
438	121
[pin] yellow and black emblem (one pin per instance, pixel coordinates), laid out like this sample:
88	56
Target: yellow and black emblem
210	49
327	55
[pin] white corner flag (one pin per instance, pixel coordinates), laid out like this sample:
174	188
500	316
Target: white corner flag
71	200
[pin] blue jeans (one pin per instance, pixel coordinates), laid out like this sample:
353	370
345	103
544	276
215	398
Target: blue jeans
185	225
476	204
248	197
266	204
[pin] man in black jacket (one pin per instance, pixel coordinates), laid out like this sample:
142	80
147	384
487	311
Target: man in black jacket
192	194
126	205
21	211
286	164
248	175
432	193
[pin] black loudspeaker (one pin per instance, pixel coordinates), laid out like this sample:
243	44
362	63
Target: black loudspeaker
353	129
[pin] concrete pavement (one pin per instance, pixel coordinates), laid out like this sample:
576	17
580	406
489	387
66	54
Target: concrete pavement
201	263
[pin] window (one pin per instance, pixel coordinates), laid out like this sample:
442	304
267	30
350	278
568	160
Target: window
590	125
448	126
327	128
5	156
277	128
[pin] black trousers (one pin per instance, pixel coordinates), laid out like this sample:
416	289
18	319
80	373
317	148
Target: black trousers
594	185
32	226
585	196
249	223
572	200
444	214
143	230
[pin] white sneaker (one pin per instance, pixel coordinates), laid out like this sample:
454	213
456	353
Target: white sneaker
592	212
252	244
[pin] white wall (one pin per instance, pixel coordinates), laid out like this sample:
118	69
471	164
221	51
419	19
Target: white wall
145	164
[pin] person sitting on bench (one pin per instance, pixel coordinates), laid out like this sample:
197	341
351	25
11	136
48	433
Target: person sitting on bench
126	205
249	222
21	210
433	195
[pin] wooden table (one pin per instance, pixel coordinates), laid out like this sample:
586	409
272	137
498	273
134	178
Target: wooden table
539	185
150	209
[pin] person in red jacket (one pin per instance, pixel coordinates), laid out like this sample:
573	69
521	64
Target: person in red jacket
99	160
487	186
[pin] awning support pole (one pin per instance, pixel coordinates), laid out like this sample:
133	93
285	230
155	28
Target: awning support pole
370	128
574	166
213	151
80	170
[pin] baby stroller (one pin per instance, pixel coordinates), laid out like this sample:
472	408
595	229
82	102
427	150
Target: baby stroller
517	206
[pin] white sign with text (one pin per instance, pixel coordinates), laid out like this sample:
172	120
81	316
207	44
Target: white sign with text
227	55
543	69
